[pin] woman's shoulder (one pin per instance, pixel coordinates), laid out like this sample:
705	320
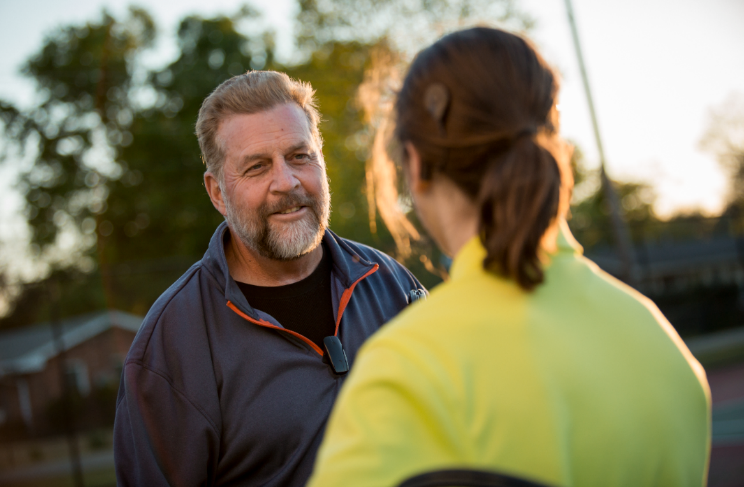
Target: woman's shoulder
580	283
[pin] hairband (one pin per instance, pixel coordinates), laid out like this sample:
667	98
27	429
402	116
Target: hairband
436	102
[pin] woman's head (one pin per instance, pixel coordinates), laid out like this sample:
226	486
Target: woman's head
478	106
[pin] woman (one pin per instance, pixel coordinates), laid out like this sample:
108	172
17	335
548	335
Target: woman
530	361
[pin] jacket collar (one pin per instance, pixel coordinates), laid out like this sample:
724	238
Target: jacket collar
348	266
470	257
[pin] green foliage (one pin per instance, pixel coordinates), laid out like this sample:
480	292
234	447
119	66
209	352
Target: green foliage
590	218
368	21
83	75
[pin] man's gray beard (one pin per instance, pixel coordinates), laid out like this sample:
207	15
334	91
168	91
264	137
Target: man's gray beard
282	241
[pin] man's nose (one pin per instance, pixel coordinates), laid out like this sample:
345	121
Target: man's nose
283	178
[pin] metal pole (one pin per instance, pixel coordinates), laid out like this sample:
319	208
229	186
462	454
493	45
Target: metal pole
619	229
68	413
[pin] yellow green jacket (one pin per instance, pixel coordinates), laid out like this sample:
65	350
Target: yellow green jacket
582	382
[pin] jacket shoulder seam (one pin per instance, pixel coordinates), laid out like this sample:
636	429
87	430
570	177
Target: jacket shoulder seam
177	390
156	319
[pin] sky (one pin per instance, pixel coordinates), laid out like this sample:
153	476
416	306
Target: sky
656	67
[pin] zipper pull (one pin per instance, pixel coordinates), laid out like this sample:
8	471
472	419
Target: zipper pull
336	354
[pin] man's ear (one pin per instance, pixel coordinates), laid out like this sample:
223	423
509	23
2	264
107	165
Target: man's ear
215	192
413	170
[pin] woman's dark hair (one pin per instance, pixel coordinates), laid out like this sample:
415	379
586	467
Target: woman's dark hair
479	106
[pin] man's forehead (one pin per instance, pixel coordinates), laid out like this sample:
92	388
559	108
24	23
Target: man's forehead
284	125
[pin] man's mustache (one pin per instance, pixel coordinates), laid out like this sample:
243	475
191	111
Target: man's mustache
287	201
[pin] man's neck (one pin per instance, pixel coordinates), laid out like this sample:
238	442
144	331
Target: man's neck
246	265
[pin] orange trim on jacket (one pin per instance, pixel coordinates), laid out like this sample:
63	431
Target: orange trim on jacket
266	324
345	298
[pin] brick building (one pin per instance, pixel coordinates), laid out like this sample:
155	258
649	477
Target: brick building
31	377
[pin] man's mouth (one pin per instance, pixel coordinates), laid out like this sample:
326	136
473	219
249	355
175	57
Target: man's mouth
290	210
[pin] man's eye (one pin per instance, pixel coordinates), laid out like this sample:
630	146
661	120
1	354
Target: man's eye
304	156
255	167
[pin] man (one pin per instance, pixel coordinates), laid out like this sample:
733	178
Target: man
230	380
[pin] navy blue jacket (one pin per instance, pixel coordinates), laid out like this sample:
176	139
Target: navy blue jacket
215	392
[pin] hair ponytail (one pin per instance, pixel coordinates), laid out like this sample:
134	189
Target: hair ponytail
519	199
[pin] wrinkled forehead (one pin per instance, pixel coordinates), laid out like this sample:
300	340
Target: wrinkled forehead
271	131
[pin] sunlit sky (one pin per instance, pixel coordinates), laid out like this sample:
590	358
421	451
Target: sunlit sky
656	68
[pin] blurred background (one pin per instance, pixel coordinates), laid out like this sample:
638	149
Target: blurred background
102	205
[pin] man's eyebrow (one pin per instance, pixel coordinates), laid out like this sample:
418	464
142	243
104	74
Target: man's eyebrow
299	146
264	156
256	157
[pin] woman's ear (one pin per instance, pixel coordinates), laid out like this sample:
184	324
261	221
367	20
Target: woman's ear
413	170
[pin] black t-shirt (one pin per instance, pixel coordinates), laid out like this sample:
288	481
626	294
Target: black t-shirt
305	306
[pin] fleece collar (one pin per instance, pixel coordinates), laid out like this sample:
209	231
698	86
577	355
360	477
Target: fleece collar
470	257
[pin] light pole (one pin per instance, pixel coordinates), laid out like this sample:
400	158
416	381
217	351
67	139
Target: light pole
619	229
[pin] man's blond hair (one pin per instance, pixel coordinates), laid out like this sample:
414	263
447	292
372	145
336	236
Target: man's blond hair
252	92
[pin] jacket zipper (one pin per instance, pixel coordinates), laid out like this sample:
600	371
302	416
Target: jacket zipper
345	298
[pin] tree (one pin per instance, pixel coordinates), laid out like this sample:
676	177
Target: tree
83	74
724	138
589	217
368	21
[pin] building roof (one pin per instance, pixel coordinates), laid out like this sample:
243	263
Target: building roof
28	349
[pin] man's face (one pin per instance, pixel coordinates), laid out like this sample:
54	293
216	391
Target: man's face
274	188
